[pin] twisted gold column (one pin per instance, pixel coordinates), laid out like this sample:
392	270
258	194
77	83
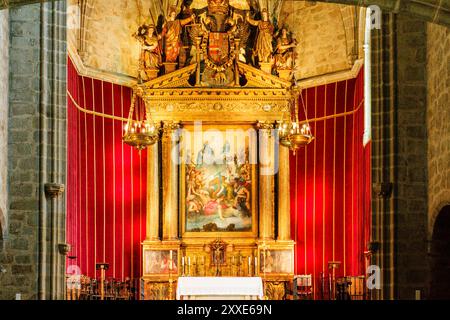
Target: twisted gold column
170	180
266	181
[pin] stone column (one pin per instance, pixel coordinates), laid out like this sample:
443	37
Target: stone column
52	247
4	78
37	153
284	219
266	180
152	222
170	180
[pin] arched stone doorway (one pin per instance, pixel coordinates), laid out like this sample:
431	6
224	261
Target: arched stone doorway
440	256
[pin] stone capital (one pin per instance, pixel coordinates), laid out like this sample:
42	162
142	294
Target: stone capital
53	190
64	248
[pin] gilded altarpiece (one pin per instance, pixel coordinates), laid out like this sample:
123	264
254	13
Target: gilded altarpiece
228	182
218	183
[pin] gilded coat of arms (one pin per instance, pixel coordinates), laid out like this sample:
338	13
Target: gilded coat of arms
216	35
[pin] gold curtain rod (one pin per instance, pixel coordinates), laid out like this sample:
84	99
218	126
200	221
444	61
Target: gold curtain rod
95	113
109	116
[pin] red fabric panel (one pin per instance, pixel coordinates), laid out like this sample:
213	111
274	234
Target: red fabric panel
106	197
330	183
106	181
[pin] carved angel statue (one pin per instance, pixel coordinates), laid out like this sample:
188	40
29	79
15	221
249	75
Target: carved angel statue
240	29
263	47
171	33
150	59
284	51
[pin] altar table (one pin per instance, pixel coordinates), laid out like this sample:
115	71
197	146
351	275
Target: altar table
220	288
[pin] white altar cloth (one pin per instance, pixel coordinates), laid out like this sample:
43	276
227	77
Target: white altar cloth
220	287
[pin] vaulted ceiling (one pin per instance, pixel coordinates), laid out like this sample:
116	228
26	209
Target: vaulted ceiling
437	11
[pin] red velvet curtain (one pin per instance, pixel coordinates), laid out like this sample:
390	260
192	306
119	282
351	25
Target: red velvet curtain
106	182
330	182
106	187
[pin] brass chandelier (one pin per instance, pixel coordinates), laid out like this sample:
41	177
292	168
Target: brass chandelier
140	131
294	134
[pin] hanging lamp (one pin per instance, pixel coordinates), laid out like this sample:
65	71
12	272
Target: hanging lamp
140	131
294	134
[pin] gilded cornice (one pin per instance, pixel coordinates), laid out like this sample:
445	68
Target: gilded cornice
171	97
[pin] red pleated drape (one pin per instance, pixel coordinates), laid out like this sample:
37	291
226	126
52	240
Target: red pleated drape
330	182
106	183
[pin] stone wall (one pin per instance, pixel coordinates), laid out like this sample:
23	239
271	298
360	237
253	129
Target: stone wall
410	187
322	36
107	29
438	120
20	250
399	155
4	45
36	153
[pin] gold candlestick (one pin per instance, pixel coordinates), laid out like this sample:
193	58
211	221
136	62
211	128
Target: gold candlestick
182	267
264	272
102	267
170	276
189	267
195	267
170	286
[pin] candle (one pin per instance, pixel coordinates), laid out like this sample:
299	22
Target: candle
170	261
182	266
256	264
264	261
189	261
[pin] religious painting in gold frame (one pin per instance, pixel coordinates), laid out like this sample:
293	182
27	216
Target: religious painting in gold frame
276	261
218	181
159	262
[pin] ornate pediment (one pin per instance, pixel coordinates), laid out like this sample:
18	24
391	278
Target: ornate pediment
253	78
173	97
259	79
176	79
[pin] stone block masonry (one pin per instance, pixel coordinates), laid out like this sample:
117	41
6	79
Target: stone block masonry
36	152
23	156
438	120
410	189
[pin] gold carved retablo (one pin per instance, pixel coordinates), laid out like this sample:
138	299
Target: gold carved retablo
211	210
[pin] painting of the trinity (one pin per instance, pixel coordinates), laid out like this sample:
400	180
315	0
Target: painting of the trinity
218	183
